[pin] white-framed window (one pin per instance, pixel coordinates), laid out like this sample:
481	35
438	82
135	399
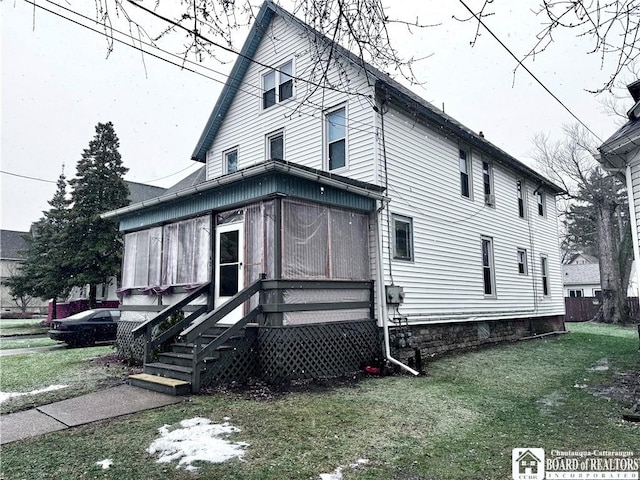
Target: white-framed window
520	192
544	274
576	293
230	161
277	85
522	262
465	173
488	269
336	138
487	181
541	202
402	237
275	145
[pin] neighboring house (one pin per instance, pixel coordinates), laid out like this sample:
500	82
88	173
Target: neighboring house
620	154
12	244
581	277
370	213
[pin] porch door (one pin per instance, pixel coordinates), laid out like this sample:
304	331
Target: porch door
229	274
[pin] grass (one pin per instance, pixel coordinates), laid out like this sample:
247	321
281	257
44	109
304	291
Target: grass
460	421
26	342
27	326
83	370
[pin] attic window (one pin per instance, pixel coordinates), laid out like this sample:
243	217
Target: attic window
277	85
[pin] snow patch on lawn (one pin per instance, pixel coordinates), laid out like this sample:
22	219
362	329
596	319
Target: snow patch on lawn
196	439
4	396
105	464
337	473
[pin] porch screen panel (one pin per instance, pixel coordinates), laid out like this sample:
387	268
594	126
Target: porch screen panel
186	252
305	241
349	246
141	263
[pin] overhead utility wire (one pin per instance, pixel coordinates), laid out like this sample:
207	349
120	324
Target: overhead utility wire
27	177
520	63
290	108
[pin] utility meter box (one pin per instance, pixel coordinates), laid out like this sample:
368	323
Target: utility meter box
395	294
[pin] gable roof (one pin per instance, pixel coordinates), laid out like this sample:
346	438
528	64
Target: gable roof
385	87
584	256
12	244
139	192
588	273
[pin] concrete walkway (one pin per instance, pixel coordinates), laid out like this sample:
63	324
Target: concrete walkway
110	403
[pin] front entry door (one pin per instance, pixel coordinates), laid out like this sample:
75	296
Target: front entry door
229	275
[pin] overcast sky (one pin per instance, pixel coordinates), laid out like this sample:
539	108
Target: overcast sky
57	83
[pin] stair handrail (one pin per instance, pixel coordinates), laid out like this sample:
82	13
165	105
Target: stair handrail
214	316
167	312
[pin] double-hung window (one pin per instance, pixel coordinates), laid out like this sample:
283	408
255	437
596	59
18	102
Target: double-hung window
522	262
487	180
277	85
402	238
577	293
465	170
230	158
544	274
520	193
488	270
275	145
540	200
336	138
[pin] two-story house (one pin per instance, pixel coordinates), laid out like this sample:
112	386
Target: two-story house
334	225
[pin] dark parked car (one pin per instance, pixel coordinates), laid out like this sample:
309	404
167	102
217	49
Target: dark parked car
86	328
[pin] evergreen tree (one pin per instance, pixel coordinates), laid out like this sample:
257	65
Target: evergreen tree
46	270
98	187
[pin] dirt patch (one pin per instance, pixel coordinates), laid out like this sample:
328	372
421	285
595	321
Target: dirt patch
625	389
259	390
548	403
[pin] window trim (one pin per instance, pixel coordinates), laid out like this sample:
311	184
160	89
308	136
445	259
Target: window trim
521	197
541	203
544	275
225	161
395	218
469	172
572	292
489	198
491	266
524	263
267	143
278	83
326	143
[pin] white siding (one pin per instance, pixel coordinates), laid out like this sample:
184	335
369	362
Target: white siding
301	117
445	280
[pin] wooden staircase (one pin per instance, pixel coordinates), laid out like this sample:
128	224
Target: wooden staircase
175	359
172	372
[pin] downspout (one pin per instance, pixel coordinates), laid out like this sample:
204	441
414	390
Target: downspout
382	297
634	224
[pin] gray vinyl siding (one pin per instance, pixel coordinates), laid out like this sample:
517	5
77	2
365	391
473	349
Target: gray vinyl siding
445	279
302	118
635	183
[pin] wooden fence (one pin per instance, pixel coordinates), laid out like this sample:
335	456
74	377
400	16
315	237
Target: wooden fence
583	309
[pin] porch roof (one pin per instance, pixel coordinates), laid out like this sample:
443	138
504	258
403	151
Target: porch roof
268	179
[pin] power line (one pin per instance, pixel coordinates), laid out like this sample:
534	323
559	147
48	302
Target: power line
27	177
520	62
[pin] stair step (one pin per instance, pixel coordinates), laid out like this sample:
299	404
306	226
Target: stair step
176	358
178	372
156	383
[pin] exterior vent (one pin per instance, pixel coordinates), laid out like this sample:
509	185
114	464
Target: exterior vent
489	199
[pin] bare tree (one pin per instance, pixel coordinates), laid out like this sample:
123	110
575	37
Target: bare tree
612	26
571	163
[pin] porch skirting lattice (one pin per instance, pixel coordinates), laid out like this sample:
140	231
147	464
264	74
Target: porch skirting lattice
317	350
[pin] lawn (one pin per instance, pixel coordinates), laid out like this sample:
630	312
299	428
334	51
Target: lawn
461	421
26	342
27	326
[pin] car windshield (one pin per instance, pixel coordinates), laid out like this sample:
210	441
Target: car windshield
80	316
